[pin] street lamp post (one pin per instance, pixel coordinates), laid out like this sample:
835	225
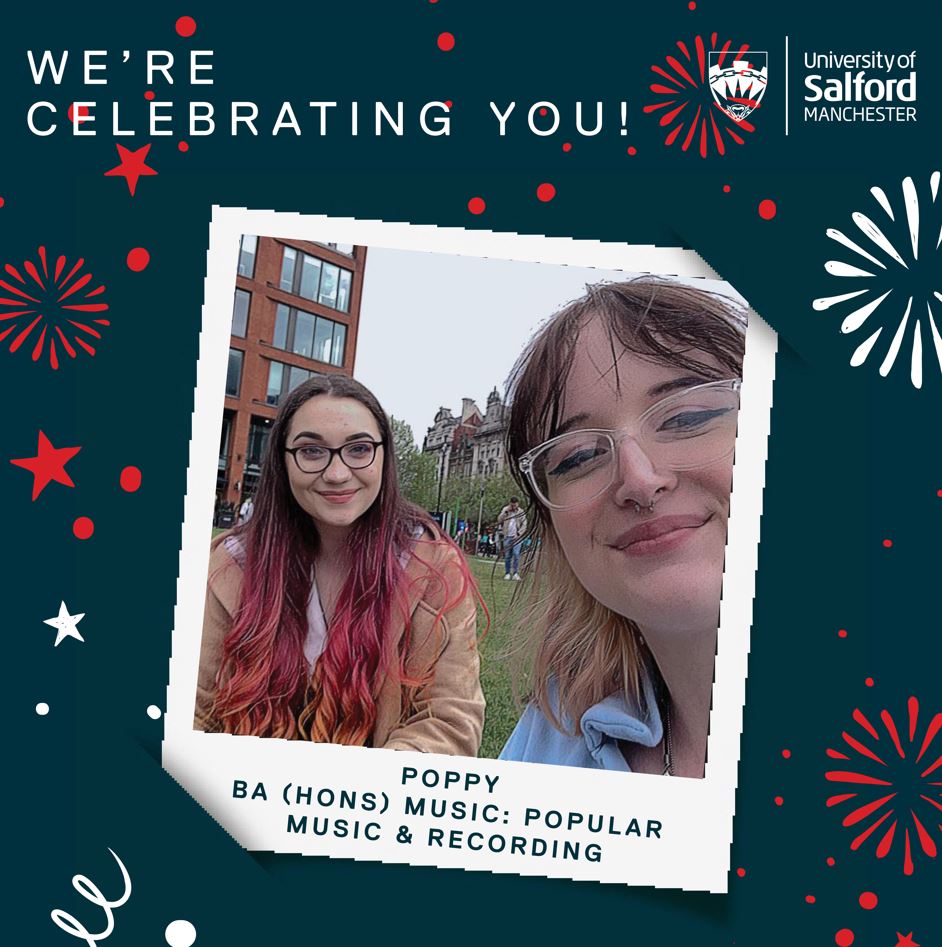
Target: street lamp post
441	477
477	537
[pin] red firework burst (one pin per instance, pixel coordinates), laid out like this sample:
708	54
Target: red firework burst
691	109
893	783
50	304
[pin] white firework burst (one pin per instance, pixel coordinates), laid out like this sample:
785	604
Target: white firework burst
883	278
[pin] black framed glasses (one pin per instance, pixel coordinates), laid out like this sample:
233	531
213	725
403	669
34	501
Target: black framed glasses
693	428
313	458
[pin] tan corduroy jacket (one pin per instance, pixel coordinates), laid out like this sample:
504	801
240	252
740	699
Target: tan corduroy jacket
444	716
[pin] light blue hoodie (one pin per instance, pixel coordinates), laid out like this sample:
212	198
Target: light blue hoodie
614	719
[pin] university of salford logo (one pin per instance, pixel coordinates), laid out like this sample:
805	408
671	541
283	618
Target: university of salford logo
696	115
738	84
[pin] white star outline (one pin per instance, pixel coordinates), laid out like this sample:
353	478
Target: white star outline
65	624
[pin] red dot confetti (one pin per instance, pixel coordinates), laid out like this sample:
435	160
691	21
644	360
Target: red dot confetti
868	900
2	202
844	937
130	479
887	543
83	528
938	493
567	146
830	862
476	205
186	26
726	189
546	192
767	209
741	872
787	754
149	95
138	258
543	110
82	113
842	633
692	5
869	682
446	42
810	898
779	800
632	150
448	103
183	146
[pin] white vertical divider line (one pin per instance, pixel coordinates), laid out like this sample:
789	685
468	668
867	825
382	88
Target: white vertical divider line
786	86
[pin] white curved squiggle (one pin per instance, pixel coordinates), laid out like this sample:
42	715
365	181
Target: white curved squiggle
90	891
900	218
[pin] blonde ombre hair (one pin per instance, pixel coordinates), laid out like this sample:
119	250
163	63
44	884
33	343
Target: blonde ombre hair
564	634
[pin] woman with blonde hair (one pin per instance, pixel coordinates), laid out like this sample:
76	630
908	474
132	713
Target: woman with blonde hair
622	430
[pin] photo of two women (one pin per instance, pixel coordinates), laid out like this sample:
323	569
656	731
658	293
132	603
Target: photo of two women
339	611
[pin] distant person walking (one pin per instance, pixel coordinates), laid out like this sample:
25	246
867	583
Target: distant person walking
513	523
246	510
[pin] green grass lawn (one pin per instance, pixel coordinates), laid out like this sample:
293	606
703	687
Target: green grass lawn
502	711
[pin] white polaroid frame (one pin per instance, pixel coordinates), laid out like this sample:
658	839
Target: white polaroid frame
362	793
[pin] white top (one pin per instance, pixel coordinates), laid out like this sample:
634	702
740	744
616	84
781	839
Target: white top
316	639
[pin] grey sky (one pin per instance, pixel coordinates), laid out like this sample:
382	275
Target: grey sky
436	328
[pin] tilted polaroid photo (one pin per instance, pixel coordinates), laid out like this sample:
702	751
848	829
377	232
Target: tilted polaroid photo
469	549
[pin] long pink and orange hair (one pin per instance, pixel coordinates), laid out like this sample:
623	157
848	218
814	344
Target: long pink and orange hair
264	687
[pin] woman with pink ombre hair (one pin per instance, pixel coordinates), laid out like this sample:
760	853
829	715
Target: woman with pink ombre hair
339	613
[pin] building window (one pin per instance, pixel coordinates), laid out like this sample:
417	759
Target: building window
329	278
325	283
275	372
287	269
240	312
247	247
234	375
283	379
343	291
224	440
308	335
259	429
345	248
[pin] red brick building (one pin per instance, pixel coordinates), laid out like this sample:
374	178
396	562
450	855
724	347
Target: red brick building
296	312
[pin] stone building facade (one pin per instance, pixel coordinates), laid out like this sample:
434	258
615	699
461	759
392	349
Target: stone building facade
470	444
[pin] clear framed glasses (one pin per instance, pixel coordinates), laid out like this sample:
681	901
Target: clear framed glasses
693	428
313	458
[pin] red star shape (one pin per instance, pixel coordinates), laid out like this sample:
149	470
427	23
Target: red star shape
132	166
905	940
48	464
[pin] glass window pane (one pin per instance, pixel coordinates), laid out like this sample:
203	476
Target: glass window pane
275	374
280	338
287	269
343	293
328	293
303	334
310	276
322	340
297	377
259	430
340	337
240	312
234	374
247	255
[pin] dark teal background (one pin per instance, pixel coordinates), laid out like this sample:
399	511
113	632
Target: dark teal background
853	458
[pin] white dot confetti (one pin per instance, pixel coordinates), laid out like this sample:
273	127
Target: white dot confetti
153	712
42	709
180	934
